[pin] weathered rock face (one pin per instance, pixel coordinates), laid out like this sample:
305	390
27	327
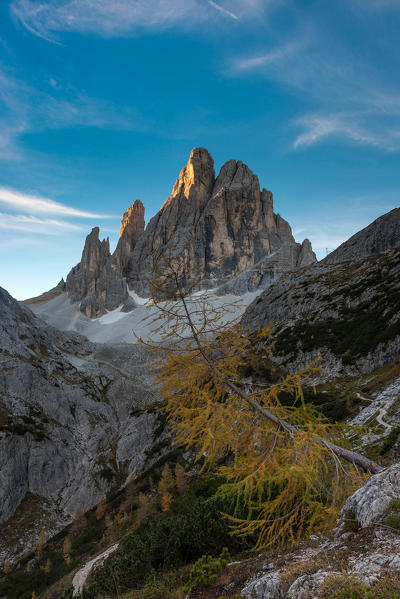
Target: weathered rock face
67	432
222	228
46	296
348	312
132	227
381	235
371	502
95	282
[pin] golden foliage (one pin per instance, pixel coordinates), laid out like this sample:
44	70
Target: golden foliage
79	522
66	550
144	509
40	543
165	486
181	479
101	508
284	474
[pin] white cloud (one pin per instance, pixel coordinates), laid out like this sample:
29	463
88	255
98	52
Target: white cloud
259	61
54	108
352	99
223	10
124	17
33	224
317	127
39	205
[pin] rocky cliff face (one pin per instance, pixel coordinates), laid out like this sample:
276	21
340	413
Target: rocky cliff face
224	228
73	419
95	282
349	312
132	227
381	235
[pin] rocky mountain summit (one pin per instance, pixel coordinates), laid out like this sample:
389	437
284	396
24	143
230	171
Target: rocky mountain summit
73	419
348	311
224	227
381	235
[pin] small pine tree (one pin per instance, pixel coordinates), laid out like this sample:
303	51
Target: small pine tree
181	479
144	509
108	521
101	509
79	522
47	567
40	545
127	505
165	486
7	566
66	550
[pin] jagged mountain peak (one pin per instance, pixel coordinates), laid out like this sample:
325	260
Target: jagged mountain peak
381	235
223	227
133	218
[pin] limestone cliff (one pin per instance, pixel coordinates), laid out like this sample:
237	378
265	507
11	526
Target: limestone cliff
132	227
95	282
73	420
381	235
222	227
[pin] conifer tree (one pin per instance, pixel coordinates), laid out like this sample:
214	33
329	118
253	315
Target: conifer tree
165	486
283	463
144	509
101	508
181	479
79	522
40	544
66	550
7	566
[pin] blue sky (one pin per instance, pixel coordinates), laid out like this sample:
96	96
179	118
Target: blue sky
101	102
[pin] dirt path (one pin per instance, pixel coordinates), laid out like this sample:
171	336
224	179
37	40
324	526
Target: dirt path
378	406
78	581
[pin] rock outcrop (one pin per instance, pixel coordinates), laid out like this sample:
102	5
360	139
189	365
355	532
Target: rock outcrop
73	419
222	227
348	312
46	296
95	281
371	502
132	227
381	235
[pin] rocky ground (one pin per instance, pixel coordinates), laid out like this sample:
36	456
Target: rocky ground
347	312
76	418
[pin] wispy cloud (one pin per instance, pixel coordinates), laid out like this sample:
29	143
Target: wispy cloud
54	107
39	205
318	127
263	60
123	17
223	10
33	224
352	100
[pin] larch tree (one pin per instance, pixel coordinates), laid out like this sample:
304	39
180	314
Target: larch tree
165	487
286	469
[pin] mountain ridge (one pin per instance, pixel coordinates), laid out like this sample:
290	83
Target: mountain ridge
223	227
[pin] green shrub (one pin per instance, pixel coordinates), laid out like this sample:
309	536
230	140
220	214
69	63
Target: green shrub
351	524
389	441
393	521
205	571
395	505
192	527
347	587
